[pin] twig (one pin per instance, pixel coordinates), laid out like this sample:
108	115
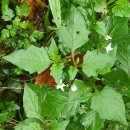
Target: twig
15	88
11	119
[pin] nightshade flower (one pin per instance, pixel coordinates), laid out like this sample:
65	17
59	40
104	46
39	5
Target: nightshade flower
60	85
109	48
73	88
108	37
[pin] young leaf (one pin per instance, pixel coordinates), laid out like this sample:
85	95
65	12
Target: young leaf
56	71
53	50
5	34
109	104
122	9
36	35
100	28
22	10
33	59
73	33
3	117
97	63
8	14
72	72
100	6
59	125
4	3
56	11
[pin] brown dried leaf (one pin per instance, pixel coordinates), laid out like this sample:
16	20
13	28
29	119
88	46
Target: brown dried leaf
76	55
35	6
45	78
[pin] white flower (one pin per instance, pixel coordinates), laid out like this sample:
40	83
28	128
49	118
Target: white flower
109	48
108	37
73	88
60	85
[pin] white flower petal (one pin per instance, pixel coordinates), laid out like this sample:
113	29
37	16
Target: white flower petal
61	81
108	37
61	85
109	48
73	88
62	89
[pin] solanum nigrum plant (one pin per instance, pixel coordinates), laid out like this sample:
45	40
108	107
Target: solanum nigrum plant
93	92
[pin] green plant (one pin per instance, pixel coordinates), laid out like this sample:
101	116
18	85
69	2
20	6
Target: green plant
19	33
8	111
91	93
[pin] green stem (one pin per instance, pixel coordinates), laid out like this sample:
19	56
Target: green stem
72	54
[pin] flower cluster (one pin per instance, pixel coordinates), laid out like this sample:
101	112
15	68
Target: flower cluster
62	85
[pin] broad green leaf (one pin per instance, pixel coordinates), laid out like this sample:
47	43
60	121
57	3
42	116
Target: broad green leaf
56	11
109	104
4	3
117	28
8	14
72	72
81	2
57	104
97	63
23	10
28	122
92	121
33	126
53	50
81	94
116	78
73	125
100	28
31	102
73	33
59	125
56	71
98	123
122	9
63	104
123	56
88	118
33	59
100	6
